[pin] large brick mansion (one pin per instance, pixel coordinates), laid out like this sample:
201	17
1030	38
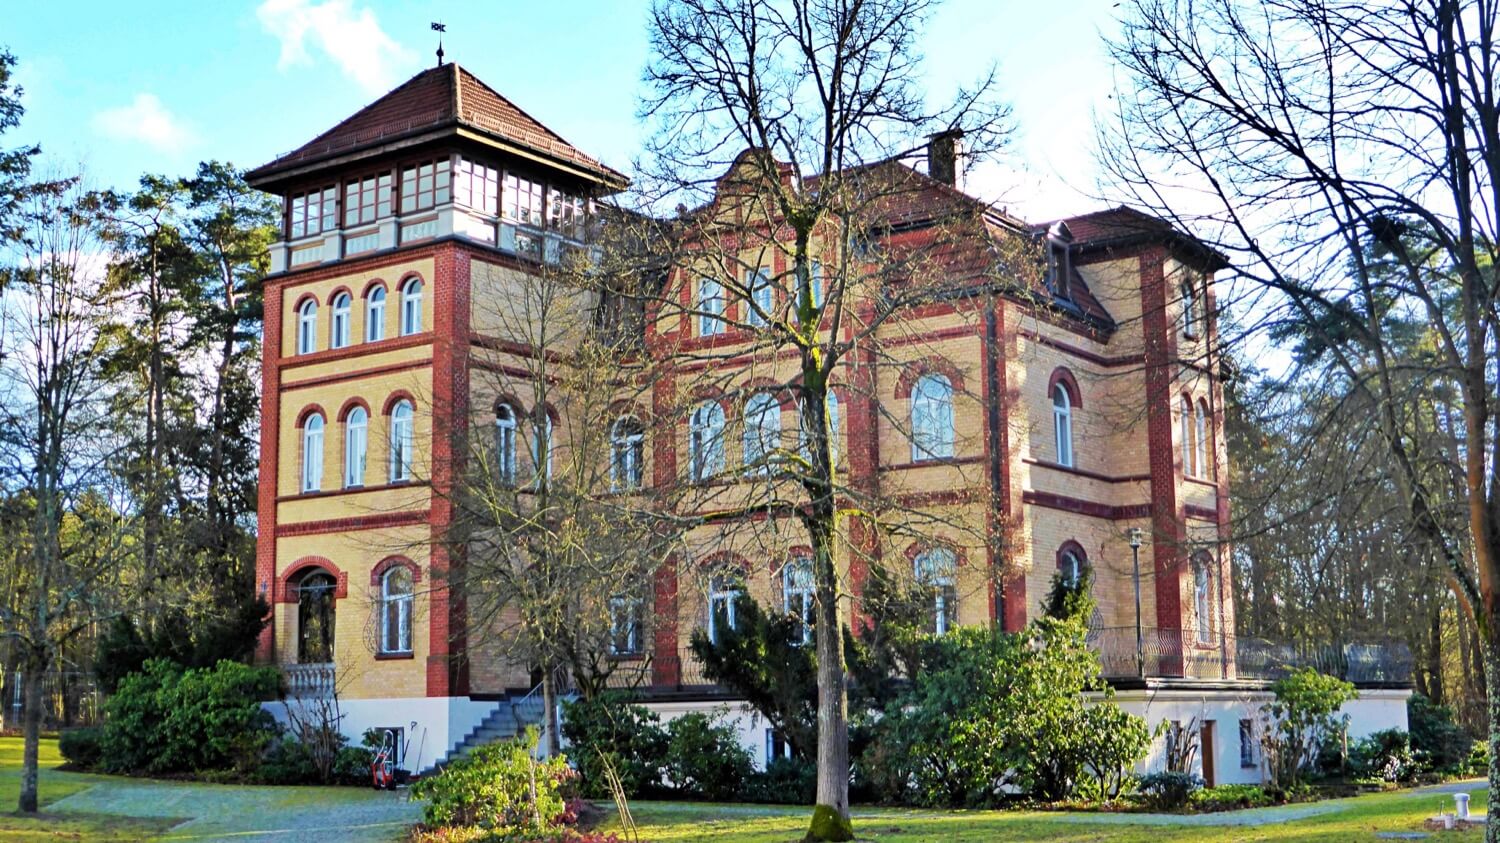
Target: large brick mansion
1087	406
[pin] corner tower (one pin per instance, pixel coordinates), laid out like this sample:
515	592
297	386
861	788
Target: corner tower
365	380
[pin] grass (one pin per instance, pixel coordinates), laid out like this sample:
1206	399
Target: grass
1349	819
671	822
54	785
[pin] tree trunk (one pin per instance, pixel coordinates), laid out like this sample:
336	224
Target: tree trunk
1435	658
1492	674
830	819
551	744
32	718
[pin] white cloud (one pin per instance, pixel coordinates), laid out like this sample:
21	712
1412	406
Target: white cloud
145	120
351	37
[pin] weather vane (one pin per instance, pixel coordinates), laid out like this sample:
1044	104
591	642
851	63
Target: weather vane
439	28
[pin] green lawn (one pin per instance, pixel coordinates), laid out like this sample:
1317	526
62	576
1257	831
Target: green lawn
55	785
233	811
1352	819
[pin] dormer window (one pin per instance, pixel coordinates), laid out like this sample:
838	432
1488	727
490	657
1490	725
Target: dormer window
424	185
1062	271
367	199
313	212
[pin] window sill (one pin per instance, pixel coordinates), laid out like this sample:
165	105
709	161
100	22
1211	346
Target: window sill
391	657
354	490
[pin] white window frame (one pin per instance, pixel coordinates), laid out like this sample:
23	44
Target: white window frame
1200	439
403	441
541	437
1062	424
505	444
932	418
1185	430
339	333
815	282
312	453
706	442
727	589
1073	566
629	609
798	593
762	297
307	327
375	314
356	442
711	321
937	568
411	307
762	432
1189	309
1203	586
627	441
399	603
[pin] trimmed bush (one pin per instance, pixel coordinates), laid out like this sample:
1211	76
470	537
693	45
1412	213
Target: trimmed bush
629	736
1169	790
1230	797
1436	735
1386	755
786	781
80	746
167	720
705	759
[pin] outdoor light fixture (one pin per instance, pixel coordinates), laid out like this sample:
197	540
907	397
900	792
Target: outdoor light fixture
1140	641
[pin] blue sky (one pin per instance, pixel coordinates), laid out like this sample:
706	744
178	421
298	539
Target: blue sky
127	88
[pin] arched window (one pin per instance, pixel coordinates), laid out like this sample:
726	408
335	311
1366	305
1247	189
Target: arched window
762	431
725	591
1202	446
1071	565
627	454
931	418
375	314
936	570
312	453
815	282
315	617
505	444
395	610
706	441
356	428
307	327
341	316
411	307
402	442
1185	430
1062	423
797	593
541	448
1189	309
1203	587
710	307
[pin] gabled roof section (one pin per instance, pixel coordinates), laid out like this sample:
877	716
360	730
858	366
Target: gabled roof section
439	101
1125	226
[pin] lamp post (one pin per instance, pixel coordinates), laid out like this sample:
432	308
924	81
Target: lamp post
1140	642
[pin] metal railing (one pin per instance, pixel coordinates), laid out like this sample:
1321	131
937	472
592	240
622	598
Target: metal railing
69	698
309	681
1189	654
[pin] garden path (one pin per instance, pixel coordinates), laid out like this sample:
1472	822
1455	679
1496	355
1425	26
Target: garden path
251	814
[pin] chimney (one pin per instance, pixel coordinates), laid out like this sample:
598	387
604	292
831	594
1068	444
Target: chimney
944	149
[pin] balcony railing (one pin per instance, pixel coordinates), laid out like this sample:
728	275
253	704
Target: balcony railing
309	681
1187	654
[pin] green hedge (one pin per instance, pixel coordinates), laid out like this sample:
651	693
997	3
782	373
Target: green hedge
165	719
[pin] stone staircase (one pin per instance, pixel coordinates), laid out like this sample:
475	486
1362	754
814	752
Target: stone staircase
509	718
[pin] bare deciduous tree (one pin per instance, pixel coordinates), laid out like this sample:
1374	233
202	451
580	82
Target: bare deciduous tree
1345	155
